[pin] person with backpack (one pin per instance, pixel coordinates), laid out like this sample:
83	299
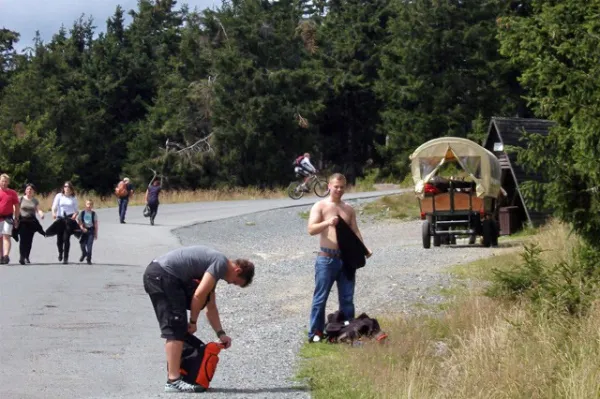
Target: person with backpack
29	223
88	222
304	168
124	192
168	281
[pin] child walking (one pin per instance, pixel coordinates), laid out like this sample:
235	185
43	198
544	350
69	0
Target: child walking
88	221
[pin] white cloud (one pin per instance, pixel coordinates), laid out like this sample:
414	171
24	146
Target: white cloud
46	16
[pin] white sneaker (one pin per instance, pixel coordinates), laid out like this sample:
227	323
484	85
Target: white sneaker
182	386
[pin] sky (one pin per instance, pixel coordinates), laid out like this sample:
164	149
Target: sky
46	16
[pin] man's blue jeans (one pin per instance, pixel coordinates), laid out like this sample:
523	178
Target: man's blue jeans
327	271
123	208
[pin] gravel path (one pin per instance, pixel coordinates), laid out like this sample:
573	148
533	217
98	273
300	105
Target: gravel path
79	331
269	320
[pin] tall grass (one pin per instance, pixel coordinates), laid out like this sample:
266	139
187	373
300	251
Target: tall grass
479	347
173	197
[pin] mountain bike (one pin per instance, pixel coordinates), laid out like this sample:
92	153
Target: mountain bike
315	183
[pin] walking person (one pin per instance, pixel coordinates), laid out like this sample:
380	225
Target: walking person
9	216
88	222
124	193
64	210
329	268
28	223
165	281
151	198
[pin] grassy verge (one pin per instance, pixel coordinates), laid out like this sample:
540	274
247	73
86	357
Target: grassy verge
479	346
400	206
183	196
175	197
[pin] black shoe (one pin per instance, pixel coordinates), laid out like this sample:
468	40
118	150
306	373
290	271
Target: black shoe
3	260
89	261
151	222
27	260
65	260
60	258
6	259
22	261
81	258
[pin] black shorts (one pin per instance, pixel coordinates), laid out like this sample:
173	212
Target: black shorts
168	296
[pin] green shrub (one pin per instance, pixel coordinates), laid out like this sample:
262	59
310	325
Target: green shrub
565	286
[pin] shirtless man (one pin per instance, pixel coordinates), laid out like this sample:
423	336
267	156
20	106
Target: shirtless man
328	267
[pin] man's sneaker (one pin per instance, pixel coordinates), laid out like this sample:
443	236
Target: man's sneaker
182	386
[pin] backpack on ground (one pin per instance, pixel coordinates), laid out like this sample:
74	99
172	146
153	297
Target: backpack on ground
121	190
298	160
199	361
338	329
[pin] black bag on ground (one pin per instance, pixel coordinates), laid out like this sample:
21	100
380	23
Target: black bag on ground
340	330
199	361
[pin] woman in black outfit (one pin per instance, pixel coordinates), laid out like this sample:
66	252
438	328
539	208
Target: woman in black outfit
29	223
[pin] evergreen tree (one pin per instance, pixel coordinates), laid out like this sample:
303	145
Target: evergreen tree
556	45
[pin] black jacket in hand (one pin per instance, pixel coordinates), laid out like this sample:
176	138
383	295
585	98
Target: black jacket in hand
353	250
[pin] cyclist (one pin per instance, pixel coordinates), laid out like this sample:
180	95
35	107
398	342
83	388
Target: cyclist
305	169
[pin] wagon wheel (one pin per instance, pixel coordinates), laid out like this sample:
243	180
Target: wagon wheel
426	235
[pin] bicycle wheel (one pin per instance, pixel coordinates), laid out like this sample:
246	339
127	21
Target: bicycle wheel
321	188
293	191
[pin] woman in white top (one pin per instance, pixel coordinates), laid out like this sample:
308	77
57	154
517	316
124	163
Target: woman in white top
64	210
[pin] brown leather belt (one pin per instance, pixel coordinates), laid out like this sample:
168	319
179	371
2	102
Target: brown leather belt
328	255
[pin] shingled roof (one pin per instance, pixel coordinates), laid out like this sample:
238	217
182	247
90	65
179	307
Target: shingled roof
510	132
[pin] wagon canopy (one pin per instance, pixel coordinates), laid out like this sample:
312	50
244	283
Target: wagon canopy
481	165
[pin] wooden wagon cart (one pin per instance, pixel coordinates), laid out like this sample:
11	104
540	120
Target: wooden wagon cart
452	207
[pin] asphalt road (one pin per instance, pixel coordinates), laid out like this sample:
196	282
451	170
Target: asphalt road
81	331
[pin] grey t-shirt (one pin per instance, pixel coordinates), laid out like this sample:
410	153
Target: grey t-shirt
190	263
28	207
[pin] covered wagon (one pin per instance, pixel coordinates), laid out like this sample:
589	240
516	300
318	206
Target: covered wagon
456	206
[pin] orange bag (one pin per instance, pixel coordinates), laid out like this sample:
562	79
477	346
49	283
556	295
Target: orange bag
199	361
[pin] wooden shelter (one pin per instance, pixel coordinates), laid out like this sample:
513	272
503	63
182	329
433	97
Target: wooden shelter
504	133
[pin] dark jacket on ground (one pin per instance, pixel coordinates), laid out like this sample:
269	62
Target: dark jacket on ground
353	250
338	329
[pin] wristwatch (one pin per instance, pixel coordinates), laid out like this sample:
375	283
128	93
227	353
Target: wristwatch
221	332
192	321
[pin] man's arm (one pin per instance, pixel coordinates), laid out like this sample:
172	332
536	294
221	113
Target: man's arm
212	314
316	224
146	197
308	166
207	284
17	207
